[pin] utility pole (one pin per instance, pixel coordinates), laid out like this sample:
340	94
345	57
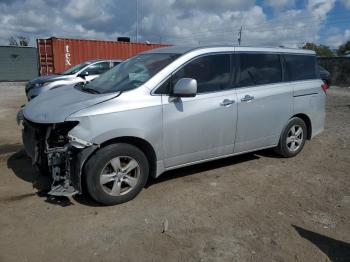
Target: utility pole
240	36
137	21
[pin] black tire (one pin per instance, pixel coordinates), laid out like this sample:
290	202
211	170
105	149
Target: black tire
100	159
283	149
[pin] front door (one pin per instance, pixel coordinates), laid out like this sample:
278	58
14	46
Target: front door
201	127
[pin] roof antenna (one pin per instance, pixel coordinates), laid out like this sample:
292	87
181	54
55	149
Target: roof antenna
240	36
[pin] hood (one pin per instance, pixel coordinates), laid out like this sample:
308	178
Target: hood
56	105
50	78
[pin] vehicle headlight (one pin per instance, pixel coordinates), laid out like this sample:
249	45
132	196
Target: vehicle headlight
42	84
58	136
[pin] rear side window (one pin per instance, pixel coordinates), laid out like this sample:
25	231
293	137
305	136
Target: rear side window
115	64
98	68
259	69
104	66
212	73
300	67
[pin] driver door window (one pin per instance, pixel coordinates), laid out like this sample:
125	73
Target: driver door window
211	72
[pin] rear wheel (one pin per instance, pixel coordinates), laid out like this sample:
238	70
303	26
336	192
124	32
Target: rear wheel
293	138
116	173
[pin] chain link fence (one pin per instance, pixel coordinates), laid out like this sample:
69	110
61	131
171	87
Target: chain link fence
339	68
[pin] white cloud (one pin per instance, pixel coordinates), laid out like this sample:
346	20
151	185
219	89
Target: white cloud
67	18
338	38
171	21
288	28
214	6
346	3
88	9
200	26
320	8
277	4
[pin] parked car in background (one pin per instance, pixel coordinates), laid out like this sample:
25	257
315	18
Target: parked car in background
173	107
325	76
83	72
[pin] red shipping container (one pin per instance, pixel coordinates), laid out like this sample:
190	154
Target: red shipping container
56	55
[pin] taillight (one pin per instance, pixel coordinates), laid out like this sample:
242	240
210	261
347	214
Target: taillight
324	87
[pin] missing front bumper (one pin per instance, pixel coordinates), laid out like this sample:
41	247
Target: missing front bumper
64	163
59	162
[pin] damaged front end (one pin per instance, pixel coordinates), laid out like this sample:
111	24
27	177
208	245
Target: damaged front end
56	153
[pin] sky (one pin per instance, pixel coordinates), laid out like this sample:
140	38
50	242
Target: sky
181	22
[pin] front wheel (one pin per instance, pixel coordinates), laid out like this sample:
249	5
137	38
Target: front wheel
292	138
116	173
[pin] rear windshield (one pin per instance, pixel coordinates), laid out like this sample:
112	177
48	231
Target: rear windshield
300	67
131	73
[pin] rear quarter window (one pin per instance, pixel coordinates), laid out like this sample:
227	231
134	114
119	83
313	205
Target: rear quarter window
115	64
300	67
259	69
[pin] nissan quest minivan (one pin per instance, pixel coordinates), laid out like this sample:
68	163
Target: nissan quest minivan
172	107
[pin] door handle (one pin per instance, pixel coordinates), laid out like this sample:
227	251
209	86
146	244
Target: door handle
227	102
247	98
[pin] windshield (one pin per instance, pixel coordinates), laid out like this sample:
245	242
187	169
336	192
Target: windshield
75	69
131	73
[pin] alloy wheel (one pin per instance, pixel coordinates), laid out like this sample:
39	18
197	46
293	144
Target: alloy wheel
295	138
120	175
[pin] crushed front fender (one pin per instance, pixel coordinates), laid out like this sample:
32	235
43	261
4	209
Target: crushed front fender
78	162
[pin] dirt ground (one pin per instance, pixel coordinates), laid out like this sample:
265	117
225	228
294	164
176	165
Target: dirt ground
254	207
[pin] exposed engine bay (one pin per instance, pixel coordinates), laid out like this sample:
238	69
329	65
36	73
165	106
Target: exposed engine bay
54	153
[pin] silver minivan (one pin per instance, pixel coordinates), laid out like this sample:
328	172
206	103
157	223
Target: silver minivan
172	107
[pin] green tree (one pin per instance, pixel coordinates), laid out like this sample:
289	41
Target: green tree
13	41
344	49
321	50
20	41
23	41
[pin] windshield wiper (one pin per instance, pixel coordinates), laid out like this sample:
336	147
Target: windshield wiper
79	85
82	87
90	90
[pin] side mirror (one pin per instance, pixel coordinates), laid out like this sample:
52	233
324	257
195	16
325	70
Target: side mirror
83	74
185	87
